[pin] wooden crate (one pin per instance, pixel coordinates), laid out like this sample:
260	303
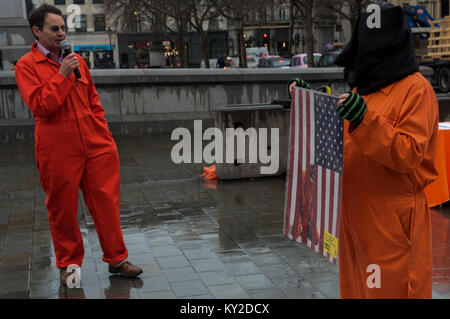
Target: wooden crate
439	40
424	58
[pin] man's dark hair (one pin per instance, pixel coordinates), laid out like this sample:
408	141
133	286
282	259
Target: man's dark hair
37	16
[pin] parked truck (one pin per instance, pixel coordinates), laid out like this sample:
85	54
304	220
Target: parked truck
432	44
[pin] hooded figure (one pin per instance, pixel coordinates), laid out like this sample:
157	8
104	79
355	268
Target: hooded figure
389	150
376	57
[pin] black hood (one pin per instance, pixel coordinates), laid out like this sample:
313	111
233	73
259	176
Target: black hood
375	58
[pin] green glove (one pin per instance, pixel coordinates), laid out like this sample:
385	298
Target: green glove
300	83
353	109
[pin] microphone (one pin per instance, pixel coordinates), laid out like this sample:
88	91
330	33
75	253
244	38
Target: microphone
65	44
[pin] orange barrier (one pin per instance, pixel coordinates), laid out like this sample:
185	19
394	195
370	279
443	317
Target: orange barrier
438	191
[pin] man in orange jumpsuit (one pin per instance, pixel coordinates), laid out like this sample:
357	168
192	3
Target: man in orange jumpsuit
74	147
389	150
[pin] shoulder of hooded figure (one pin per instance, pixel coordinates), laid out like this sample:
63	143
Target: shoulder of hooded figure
421	80
417	82
415	91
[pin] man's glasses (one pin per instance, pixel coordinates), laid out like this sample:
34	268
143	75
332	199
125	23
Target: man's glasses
55	28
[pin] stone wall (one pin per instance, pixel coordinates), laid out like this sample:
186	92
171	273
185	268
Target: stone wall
156	100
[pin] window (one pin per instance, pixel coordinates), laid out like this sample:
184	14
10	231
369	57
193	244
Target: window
282	13
432	9
214	24
99	22
97	1
263	14
78	1
57	2
316	59
82	27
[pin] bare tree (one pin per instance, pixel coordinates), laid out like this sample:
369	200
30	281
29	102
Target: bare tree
202	13
305	8
236	12
170	17
347	9
292	18
180	14
121	12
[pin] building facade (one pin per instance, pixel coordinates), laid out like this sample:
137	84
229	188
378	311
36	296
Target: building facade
274	24
100	39
278	26
15	34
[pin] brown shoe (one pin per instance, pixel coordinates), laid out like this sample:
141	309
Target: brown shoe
127	269
63	276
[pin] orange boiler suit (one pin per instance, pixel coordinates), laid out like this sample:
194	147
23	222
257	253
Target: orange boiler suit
385	220
74	148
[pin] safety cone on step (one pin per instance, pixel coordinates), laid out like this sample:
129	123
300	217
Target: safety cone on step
209	172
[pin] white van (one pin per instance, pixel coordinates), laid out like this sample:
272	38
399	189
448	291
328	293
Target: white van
257	51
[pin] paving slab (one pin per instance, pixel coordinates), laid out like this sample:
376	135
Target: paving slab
192	239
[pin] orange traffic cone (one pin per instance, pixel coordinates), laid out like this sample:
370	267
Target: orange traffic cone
209	172
210	177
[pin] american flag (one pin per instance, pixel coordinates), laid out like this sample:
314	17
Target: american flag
314	179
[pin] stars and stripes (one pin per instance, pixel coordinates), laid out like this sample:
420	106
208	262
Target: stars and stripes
329	133
314	179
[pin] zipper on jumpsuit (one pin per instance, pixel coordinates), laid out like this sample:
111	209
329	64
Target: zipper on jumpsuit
83	147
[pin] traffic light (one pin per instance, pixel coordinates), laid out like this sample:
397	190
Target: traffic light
266	40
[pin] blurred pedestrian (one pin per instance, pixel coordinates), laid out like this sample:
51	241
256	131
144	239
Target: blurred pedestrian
12	65
221	62
74	147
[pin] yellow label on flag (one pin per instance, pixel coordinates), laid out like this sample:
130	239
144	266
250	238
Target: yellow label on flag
330	244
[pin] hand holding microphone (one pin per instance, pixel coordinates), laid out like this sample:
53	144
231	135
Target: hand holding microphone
70	63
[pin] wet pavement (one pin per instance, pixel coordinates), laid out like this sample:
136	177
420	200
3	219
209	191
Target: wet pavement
193	239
